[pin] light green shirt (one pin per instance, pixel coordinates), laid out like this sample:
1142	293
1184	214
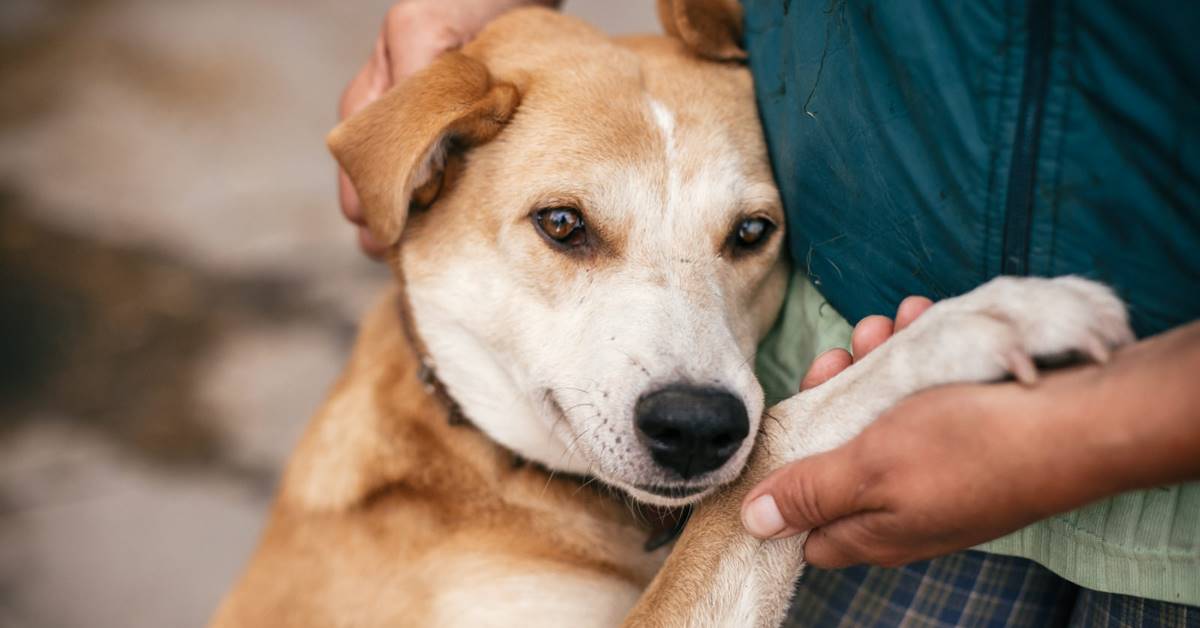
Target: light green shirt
1145	543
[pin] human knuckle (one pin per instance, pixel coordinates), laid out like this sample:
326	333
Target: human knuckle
804	503
406	17
889	558
875	458
446	37
347	101
401	12
872	549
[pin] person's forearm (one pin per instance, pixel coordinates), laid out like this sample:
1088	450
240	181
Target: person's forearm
1133	423
1149	407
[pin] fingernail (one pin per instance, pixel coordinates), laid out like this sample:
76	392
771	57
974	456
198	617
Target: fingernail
761	517
784	533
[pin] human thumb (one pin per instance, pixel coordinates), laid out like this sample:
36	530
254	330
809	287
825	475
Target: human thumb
801	496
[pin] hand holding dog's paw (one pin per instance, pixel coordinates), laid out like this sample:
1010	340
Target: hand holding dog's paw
944	470
951	467
947	468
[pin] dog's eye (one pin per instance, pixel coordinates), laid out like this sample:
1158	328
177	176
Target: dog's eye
561	225
751	233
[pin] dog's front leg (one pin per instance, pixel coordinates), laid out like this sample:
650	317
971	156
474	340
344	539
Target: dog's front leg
718	575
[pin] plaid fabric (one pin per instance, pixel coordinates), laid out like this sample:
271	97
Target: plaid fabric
1093	608
968	589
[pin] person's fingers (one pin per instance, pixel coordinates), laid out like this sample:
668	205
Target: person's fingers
348	198
802	495
833	546
369	244
910	308
368	85
868	334
412	34
372	80
413	37
825	366
355	96
857	539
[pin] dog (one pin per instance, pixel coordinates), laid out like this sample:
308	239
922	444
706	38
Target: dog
588	246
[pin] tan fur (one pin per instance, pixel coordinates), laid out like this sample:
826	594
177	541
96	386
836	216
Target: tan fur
582	134
711	28
386	506
456	102
391	514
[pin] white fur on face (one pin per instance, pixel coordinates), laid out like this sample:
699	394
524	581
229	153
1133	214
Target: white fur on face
666	126
549	355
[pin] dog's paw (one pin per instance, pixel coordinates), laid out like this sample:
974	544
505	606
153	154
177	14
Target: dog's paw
1005	325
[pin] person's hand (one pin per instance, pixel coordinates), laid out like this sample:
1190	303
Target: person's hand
868	334
413	33
944	470
956	466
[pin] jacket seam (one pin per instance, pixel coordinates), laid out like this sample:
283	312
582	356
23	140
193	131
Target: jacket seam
1000	95
1113	548
1024	165
1056	197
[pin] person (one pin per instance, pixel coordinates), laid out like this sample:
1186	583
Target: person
921	149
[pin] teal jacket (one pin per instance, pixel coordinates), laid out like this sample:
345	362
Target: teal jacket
925	147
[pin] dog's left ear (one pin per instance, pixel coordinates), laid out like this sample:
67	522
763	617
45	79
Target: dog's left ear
395	149
711	28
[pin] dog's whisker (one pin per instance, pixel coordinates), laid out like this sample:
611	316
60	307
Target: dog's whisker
571	448
746	363
768	415
591	479
546	486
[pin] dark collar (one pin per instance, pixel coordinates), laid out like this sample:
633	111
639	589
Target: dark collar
671	522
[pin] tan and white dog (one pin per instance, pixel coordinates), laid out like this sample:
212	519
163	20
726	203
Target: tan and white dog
587	242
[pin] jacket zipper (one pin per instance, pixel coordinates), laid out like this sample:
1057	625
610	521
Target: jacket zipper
1022	174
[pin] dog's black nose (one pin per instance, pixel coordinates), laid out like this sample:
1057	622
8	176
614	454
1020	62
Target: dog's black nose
691	430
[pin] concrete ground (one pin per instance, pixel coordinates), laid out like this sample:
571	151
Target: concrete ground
178	287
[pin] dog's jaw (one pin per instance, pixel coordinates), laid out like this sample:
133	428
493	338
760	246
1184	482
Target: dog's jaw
489	396
572	410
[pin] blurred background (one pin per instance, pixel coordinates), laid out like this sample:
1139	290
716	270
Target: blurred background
177	287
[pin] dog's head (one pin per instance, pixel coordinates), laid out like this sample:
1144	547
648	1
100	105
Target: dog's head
590	240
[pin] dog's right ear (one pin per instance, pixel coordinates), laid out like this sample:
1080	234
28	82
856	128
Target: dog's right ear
710	28
394	150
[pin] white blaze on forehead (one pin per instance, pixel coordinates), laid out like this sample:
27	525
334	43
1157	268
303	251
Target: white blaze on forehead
710	185
666	125
664	119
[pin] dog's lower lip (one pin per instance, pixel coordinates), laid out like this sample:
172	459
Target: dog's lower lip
672	491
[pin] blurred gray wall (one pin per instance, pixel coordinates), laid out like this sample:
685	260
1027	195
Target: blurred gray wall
178	287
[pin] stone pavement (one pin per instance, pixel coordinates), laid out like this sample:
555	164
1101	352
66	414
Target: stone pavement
177	288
